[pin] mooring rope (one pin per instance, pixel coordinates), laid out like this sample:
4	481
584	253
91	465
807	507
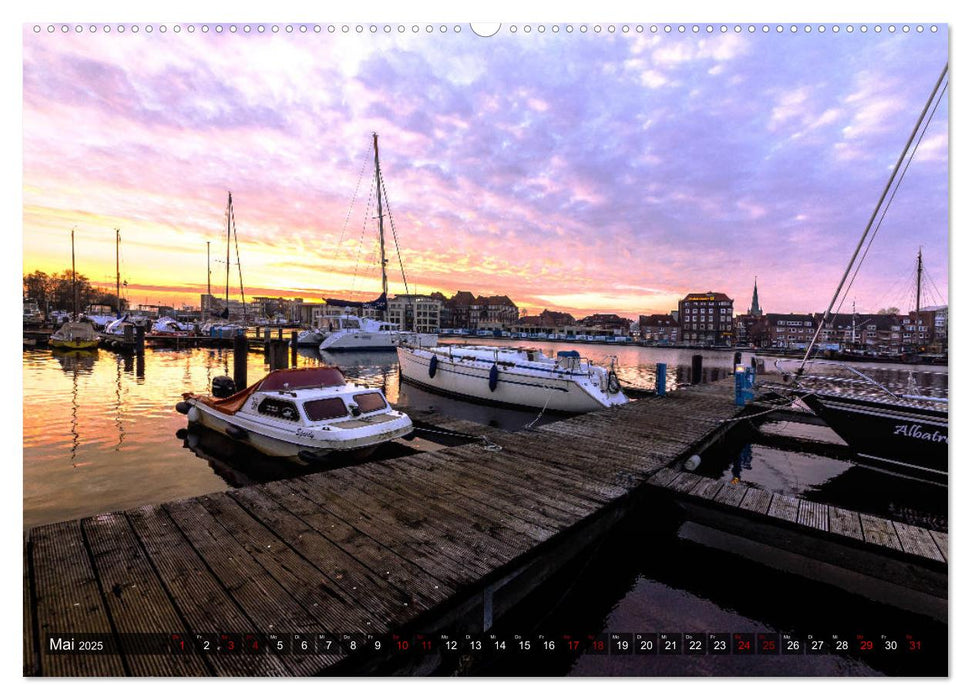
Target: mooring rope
784	403
487	444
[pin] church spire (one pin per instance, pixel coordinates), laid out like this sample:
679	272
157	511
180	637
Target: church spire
755	310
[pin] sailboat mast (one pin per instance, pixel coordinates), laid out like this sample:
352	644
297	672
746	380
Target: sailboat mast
229	209
118	271
74	282
208	280
384	271
920	271
873	216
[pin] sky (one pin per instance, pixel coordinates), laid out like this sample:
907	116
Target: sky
611	171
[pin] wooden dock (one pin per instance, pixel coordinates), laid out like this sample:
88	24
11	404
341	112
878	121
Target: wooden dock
441	540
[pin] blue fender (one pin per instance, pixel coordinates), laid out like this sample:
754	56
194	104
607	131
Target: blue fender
493	377
433	366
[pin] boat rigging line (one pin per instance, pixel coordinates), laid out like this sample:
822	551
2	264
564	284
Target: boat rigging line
893	194
876	211
239	265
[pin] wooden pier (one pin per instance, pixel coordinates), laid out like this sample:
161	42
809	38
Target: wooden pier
436	541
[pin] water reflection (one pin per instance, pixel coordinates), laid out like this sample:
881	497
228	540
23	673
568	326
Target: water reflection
98	426
825	471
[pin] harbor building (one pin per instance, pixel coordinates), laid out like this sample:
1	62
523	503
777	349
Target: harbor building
466	310
791	331
416	312
659	328
706	318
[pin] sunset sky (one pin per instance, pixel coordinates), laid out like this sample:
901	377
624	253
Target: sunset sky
578	171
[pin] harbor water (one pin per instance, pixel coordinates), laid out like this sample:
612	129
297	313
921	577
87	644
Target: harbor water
101	434
100	427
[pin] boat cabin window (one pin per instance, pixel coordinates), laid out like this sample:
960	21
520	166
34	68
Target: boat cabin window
350	323
325	409
371	401
275	408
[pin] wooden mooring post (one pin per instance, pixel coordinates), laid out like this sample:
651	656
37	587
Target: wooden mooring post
276	355
240	349
696	367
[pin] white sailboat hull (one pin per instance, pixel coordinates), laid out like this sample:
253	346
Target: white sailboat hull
562	391
374	340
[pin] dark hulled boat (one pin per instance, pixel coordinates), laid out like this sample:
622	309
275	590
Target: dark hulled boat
907	435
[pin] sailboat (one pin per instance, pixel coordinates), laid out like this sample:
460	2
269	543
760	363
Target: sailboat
900	431
224	328
345	330
75	334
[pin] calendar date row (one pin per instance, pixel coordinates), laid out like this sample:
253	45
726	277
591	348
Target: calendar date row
609	643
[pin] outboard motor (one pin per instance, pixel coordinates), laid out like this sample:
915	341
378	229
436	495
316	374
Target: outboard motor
223	387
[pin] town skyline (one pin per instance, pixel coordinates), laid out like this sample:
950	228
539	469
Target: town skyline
588	174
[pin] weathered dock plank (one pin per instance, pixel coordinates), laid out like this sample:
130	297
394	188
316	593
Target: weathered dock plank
316	532
439	523
490	521
333	588
136	600
409	533
69	600
707	489
918	541
756	500
731	494
784	507
501	471
31	648
483	504
940	539
879	531
600	463
815	515
205	605
845	522
265	602
664	476
684	482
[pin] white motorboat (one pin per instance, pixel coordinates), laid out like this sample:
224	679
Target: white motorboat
518	377
303	414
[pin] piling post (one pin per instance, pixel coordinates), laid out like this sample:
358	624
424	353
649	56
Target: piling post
240	348
293	348
696	367
279	334
139	340
660	386
277	354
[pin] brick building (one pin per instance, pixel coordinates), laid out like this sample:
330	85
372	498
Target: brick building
659	328
706	318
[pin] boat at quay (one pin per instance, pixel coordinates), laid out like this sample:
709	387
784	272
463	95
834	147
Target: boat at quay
304	414
519	377
902	430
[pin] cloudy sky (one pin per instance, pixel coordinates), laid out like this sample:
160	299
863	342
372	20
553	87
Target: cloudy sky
582	171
